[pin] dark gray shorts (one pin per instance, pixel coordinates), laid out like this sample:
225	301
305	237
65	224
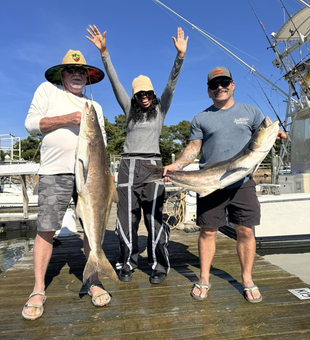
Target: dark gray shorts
55	192
241	204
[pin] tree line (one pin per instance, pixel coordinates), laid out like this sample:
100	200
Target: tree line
173	140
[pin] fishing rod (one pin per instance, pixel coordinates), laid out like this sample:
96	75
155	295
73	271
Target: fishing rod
224	48
272	106
300	36
276	53
280	60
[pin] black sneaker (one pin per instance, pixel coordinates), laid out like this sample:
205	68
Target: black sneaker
157	277
125	275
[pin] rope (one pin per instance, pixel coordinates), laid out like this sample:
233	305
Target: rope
178	212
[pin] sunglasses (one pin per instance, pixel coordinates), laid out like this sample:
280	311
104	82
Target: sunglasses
144	93
213	85
79	70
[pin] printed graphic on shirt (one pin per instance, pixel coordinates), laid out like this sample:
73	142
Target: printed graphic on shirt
241	120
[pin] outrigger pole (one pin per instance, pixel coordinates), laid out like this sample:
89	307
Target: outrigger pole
304	3
224	48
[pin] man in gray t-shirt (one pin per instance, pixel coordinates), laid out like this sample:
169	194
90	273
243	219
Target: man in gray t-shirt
219	133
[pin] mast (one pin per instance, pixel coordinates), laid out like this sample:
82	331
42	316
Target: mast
224	48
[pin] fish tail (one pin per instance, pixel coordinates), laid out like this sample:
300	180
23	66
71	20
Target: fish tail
156	173
99	263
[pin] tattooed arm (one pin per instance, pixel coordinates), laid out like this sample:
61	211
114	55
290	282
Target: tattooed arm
188	156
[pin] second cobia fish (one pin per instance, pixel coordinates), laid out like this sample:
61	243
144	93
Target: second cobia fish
96	192
222	174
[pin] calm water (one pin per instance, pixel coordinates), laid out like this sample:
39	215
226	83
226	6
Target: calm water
13	245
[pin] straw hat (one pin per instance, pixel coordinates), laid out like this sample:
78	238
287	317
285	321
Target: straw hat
73	58
141	83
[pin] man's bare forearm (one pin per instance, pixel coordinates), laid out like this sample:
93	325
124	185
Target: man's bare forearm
189	154
48	124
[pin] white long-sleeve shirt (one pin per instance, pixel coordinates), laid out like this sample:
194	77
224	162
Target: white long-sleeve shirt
58	146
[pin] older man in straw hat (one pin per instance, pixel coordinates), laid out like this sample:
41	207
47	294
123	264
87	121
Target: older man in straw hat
55	111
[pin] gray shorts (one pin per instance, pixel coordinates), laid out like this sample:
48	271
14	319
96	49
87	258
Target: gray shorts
55	192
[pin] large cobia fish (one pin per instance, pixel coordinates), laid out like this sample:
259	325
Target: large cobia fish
96	191
222	174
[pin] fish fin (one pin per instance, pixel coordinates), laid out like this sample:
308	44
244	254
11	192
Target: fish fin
255	168
100	264
115	196
79	212
156	173
78	178
231	172
207	192
81	173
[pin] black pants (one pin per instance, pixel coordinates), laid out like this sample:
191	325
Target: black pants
134	195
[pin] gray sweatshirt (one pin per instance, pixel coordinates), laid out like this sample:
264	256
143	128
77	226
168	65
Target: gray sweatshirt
143	137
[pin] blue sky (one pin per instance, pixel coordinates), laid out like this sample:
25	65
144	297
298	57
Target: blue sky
36	35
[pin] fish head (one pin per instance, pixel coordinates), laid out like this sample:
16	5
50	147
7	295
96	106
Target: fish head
265	136
89	126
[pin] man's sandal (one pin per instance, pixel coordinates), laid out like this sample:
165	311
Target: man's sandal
251	289
35	307
97	283
200	286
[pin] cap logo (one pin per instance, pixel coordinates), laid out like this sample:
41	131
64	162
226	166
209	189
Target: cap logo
76	57
218	72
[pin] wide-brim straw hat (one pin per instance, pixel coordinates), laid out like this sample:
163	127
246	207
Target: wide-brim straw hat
74	58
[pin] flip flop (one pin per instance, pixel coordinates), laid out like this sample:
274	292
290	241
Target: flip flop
97	283
34	306
200	286
251	289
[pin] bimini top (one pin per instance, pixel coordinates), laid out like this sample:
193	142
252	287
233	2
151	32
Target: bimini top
300	21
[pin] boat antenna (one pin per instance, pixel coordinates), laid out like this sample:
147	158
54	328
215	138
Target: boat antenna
224	48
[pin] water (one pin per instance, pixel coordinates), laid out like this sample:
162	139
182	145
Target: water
13	245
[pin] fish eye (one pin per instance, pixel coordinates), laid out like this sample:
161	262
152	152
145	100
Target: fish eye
92	118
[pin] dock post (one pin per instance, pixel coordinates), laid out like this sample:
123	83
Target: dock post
25	196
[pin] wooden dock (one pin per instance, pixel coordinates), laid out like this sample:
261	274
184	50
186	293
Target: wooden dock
139	310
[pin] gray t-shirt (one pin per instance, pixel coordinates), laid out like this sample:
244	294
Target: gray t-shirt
224	132
143	137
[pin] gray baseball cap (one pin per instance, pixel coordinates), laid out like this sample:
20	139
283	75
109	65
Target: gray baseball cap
219	71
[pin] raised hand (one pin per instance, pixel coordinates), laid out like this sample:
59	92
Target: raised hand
97	39
180	43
